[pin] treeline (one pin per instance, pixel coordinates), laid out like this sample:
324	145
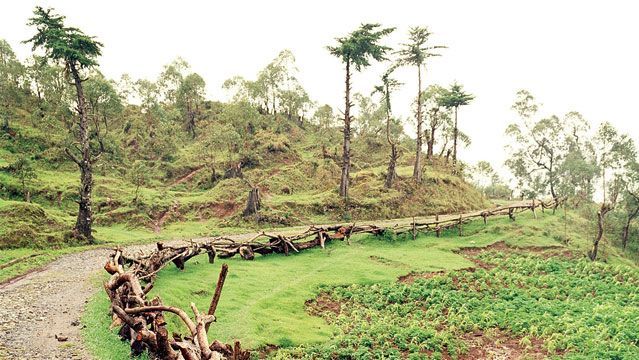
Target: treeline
564	158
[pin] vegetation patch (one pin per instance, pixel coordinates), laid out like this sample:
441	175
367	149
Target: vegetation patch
527	306
28	225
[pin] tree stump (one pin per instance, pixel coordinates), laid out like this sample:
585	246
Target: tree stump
253	204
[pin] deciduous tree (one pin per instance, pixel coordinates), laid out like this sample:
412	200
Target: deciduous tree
615	154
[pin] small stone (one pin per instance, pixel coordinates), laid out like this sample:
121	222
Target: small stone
61	337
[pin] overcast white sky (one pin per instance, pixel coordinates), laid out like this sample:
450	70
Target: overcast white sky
572	55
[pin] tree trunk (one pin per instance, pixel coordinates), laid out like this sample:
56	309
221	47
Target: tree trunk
417	170
600	231
253	204
626	228
430	143
85	214
455	135
346	150
391	174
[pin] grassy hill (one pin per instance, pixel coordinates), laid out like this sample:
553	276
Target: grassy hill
297	184
191	191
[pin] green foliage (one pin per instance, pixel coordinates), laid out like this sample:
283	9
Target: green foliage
574	306
61	43
362	45
550	156
415	52
455	97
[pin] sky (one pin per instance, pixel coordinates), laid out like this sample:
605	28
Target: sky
571	55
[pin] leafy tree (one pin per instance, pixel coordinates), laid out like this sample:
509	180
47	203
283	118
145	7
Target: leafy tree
294	102
629	200
24	171
385	89
276	87
447	131
190	99
488	181
48	83
357	49
615	154
370	119
437	115
103	101
274	77
538	150
12	75
578	170
77	52
324	117
453	98
415	53
171	79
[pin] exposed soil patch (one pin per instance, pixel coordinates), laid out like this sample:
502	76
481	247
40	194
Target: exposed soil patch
323	304
188	176
164	217
502	346
411	277
266	350
224	209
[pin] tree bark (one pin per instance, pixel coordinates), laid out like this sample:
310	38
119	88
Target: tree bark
626	228
455	135
85	214
430	143
417	170
253	204
391	174
346	150
601	217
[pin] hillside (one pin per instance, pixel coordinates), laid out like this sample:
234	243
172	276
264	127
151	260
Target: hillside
298	184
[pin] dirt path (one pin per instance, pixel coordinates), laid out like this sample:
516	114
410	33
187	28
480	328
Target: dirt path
46	303
49	302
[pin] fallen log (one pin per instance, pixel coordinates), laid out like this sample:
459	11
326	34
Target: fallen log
142	321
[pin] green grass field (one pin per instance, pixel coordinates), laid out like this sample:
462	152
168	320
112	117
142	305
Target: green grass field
264	300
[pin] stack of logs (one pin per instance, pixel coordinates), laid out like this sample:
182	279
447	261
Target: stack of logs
142	320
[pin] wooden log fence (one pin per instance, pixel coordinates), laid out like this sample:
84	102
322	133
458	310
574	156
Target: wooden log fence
142	321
